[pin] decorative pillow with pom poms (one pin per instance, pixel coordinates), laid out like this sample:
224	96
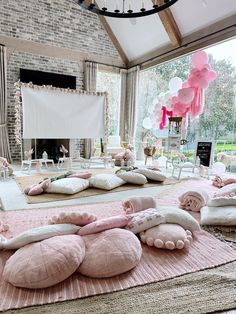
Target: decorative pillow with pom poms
76	218
167	236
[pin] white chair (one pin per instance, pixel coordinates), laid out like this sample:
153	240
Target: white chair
113	146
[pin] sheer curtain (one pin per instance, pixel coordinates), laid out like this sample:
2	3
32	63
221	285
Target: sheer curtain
4	141
128	108
90	82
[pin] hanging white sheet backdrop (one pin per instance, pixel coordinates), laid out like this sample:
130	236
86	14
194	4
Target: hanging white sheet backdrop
51	114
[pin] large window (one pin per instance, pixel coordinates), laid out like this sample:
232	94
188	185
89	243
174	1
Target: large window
217	122
110	82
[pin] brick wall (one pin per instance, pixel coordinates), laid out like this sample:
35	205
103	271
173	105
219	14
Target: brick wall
29	61
59	23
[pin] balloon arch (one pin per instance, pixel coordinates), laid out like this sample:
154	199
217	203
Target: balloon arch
183	98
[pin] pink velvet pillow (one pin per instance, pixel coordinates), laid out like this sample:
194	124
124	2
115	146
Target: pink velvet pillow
119	221
46	263
109	253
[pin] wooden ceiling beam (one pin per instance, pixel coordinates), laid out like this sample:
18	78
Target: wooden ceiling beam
169	24
114	40
112	37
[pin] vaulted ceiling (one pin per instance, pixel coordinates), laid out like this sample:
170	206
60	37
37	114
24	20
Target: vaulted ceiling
185	26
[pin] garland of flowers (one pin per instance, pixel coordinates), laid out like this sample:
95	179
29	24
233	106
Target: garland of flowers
18	104
18	113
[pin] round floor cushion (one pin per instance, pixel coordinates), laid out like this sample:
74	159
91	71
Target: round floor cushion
109	253
45	263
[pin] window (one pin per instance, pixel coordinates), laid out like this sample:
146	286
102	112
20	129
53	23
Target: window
217	122
110	82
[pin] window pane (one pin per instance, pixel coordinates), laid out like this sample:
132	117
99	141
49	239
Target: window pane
217	122
110	82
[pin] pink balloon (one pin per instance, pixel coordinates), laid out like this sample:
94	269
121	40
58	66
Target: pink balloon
174	99
199	59
203	83
186	95
204	72
185	84
207	66
193	81
211	75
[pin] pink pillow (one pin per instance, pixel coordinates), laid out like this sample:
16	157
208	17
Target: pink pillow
76	218
167	236
119	221
82	175
46	263
110	253
144	220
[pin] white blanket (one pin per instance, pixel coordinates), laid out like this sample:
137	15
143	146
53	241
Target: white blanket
221	215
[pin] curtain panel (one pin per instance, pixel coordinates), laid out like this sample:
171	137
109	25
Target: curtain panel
90	83
128	106
4	140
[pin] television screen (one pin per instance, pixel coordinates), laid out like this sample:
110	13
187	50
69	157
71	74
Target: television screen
47	78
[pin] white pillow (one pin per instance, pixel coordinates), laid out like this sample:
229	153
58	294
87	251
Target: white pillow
227	190
221	216
153	175
222	201
106	181
131	177
37	234
68	186
175	215
144	220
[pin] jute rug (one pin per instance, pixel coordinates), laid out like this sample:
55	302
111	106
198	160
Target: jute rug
155	265
26	181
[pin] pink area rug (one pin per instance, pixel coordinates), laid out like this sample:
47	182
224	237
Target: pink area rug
155	265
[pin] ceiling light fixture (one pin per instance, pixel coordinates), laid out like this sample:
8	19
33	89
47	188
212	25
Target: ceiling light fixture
122	8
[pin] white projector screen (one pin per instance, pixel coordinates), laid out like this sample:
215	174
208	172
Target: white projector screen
52	114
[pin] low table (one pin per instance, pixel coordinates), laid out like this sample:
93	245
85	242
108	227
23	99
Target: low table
29	162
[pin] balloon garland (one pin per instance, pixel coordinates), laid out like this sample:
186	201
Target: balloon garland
185	98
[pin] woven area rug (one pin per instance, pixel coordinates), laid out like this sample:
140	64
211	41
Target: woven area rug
155	265
26	181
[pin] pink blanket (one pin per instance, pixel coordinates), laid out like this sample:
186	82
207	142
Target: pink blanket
193	200
220	181
137	203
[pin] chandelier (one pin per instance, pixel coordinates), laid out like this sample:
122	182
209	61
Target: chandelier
123	9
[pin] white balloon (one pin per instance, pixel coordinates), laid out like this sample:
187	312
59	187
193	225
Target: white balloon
147	123
175	84
154	101
151	109
161	96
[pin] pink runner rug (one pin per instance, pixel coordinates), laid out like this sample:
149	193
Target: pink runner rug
155	265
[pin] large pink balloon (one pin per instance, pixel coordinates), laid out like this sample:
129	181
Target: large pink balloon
186	95
211	75
199	59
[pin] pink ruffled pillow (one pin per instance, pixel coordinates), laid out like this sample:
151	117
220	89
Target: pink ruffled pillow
110	253
119	221
46	263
